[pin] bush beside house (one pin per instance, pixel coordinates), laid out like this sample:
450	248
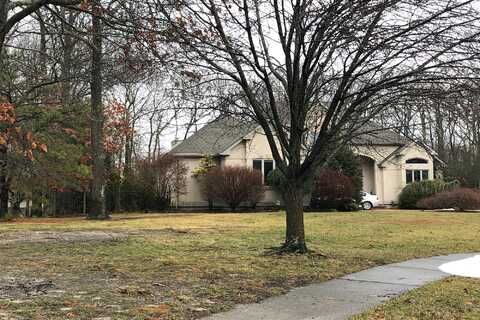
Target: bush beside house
460	199
337	187
333	190
205	166
233	186
349	165
414	192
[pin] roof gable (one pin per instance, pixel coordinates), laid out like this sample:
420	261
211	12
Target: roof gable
215	137
372	134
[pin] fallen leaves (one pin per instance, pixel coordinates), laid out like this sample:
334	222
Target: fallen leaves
134	291
160	309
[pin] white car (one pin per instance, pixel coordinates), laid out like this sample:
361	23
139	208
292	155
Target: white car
368	201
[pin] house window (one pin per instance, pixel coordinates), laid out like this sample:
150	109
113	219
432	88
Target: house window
265	166
257	165
417	175
417	161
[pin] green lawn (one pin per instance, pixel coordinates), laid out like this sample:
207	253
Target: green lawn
189	265
453	298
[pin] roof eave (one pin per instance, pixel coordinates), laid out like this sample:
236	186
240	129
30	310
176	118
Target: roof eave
187	154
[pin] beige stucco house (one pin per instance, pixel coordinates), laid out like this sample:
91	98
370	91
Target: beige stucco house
389	161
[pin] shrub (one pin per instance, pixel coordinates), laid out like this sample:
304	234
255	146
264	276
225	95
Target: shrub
344	162
206	164
416	191
278	181
233	185
208	188
349	165
348	205
153	183
333	190
460	199
256	192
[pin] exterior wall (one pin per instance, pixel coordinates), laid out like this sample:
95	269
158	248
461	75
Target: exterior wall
390	178
192	196
387	180
376	155
254	147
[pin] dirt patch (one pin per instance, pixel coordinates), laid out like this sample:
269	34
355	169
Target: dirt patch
60	221
14	287
29	236
58	236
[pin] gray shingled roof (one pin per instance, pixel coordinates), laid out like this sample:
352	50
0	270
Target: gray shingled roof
372	134
219	135
216	137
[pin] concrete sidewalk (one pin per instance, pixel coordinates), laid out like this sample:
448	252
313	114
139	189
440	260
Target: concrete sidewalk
347	296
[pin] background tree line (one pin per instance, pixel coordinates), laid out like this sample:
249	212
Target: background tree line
83	112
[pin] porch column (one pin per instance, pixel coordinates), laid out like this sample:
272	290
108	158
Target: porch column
379	183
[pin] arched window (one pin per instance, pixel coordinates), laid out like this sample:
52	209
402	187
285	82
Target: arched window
417	160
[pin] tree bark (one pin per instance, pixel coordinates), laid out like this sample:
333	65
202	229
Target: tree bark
295	232
84	204
3	20
3	182
97	205
67	60
28	211
3	149
52	203
118	197
128	156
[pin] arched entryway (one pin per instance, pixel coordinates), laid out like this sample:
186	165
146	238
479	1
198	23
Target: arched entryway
368	171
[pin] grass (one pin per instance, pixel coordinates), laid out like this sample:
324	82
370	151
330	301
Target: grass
185	266
453	298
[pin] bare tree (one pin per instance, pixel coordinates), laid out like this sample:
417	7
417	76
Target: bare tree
12	12
97	197
313	73
445	117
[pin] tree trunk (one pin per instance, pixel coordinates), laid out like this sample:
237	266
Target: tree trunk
97	205
3	182
67	60
3	149
440	132
4	5
295	233
84	204
28	211
128	157
118	197
52	203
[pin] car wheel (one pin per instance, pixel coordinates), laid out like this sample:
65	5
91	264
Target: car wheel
367	205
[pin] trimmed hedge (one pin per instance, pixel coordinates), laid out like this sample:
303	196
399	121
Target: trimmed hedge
459	199
416	191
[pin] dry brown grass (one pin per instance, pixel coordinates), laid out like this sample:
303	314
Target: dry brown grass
186	266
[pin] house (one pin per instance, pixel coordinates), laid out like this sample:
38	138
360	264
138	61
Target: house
389	161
